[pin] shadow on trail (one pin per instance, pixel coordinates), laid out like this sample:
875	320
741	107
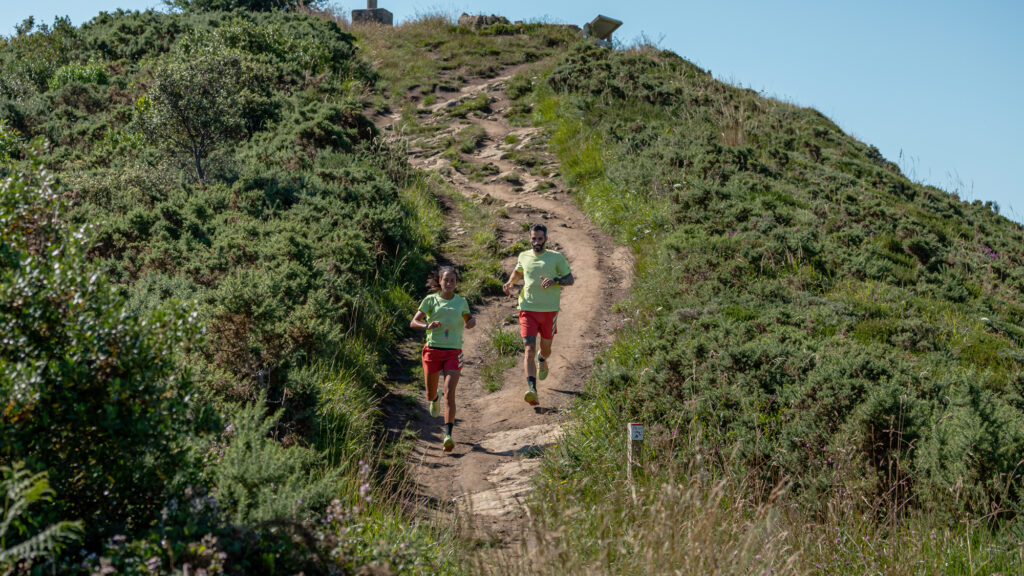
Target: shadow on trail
528	450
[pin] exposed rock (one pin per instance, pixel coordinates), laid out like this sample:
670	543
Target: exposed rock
479	21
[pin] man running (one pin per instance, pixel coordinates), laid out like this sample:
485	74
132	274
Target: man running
544	273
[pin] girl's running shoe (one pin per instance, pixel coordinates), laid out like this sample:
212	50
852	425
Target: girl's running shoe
448	443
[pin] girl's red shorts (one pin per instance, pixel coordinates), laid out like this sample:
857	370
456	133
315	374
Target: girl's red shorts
533	323
438	359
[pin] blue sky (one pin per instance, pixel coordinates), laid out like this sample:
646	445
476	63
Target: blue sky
935	85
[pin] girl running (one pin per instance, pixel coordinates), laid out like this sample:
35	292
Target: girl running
443	314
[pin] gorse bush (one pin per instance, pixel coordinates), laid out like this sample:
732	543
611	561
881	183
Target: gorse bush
90	73
258	480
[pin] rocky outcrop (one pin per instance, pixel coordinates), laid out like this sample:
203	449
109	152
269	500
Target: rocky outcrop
479	21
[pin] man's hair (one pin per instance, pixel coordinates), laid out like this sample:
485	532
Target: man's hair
539	228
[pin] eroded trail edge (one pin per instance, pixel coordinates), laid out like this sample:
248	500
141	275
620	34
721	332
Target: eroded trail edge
499	437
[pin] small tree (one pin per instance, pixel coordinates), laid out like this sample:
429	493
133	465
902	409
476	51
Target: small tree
198	94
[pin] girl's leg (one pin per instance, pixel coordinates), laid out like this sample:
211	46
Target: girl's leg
451	380
431	381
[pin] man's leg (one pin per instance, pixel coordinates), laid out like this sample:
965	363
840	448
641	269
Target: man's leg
545	352
545	347
529	365
547	333
528	330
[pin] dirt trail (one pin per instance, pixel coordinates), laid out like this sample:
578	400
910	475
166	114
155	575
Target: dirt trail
499	437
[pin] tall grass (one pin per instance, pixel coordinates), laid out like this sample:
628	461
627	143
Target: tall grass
683	514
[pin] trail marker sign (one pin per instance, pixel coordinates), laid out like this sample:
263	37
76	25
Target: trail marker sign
634	447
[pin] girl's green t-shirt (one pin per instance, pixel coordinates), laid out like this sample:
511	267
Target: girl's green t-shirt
450	314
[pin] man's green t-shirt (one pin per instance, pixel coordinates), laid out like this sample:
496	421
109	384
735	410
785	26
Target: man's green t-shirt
549	264
449	313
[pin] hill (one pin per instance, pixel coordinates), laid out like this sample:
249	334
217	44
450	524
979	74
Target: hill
829	355
200	306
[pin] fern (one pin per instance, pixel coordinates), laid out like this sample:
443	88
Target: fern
21	489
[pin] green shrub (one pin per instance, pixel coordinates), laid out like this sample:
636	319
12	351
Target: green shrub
199	98
94	395
228	5
259	480
90	73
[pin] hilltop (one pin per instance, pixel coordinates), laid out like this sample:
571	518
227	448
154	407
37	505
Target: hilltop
827	355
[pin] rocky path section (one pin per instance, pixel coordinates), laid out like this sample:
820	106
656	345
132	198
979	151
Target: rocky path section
499	436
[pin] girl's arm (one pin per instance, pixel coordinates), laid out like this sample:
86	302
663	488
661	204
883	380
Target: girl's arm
470	320
419	322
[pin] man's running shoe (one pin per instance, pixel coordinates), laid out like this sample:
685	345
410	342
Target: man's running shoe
531	394
542	367
448	443
434	410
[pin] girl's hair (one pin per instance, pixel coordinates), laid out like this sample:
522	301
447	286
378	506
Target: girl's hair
434	278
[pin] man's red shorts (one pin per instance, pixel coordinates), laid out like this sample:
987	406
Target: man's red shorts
438	359
533	323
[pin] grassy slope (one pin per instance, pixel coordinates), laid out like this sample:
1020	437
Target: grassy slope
828	356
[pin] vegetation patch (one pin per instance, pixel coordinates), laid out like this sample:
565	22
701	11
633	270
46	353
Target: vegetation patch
503	348
805	338
216	276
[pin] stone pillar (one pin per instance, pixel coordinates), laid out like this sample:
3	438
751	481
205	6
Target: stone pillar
373	14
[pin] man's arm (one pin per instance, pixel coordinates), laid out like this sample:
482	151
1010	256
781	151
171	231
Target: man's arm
566	280
516	276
